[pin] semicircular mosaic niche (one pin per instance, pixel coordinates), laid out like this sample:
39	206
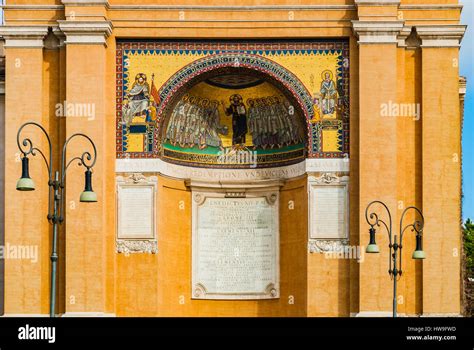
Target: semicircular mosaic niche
312	77
230	127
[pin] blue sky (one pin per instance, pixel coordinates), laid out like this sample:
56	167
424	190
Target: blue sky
467	70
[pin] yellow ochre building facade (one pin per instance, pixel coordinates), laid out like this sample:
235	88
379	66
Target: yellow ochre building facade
238	146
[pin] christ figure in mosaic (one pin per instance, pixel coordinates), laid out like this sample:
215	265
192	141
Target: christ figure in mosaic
238	113
137	100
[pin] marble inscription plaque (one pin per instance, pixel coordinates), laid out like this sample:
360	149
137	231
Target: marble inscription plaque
235	249
136	217
328	216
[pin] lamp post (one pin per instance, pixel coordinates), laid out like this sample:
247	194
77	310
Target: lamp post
56	183
395	247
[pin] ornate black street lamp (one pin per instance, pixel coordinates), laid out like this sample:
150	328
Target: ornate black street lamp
395	248
56	187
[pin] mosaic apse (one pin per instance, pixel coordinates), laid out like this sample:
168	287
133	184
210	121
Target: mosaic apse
230	104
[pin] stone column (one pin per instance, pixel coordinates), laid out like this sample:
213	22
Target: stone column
86	222
441	145
377	142
26	227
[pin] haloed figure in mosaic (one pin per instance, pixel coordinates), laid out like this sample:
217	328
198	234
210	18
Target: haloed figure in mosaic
137	100
238	113
195	122
213	127
254	123
288	132
328	94
176	119
271	124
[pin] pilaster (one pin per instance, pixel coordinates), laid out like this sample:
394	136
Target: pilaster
26	280
441	146
377	39
86	226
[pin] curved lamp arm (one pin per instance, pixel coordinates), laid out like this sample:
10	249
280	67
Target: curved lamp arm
26	147
374	220
416	226
86	159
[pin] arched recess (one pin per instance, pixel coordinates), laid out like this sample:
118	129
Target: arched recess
233	63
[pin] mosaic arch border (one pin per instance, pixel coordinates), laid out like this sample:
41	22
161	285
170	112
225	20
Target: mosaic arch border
226	53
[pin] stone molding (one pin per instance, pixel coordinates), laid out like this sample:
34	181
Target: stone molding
408	38
441	314
375	314
85	2
327	165
234	188
436	36
59	34
141	7
87	314
86	32
434	7
377	32
327	245
377	2
126	246
24	315
24	36
314	165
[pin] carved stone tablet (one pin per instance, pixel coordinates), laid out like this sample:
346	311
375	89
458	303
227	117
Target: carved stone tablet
235	246
328	212
136	214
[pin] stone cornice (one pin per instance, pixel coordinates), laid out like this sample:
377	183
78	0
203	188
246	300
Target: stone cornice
33	7
141	7
377	2
441	35
434	7
403	36
24	36
85	2
60	36
171	7
86	32
377	32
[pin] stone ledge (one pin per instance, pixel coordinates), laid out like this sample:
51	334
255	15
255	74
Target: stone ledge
441	35
25	315
88	314
86	32
377	2
441	314
374	314
85	2
24	36
377	32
